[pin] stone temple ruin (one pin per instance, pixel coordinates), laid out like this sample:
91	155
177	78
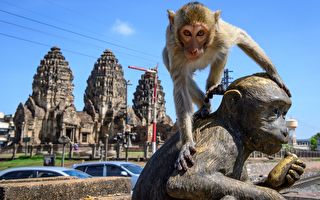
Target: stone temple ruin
143	108
105	96
50	112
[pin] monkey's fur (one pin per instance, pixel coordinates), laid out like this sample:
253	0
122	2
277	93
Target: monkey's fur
195	38
250	118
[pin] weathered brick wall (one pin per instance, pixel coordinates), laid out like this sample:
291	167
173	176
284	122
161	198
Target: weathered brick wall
64	189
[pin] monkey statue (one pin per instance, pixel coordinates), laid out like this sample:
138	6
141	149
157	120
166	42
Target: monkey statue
251	117
195	38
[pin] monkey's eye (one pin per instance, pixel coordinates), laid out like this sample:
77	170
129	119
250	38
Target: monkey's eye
200	33
186	33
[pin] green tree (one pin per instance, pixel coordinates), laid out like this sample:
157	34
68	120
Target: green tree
314	141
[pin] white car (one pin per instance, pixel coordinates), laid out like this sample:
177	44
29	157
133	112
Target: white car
111	168
40	172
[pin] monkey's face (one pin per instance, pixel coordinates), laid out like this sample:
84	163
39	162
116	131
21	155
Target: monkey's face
193	39
266	124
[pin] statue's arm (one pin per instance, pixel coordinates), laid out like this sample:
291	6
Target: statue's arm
196	186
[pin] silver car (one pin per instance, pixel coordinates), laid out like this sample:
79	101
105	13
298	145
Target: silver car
111	168
40	172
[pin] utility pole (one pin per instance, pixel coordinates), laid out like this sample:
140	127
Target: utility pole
155	73
63	140
128	83
226	78
154	135
106	139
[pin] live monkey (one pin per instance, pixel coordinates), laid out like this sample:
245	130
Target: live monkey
195	38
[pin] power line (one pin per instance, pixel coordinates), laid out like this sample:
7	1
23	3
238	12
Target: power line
94	19
66	30
36	30
70	39
75	33
46	45
54	18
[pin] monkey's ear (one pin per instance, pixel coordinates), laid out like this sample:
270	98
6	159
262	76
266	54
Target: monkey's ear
217	15
171	15
231	99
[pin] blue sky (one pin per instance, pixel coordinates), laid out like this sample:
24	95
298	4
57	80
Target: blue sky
135	31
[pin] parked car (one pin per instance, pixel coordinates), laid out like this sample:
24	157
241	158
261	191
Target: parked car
40	172
111	168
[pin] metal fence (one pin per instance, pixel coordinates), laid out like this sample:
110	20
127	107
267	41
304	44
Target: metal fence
299	152
96	151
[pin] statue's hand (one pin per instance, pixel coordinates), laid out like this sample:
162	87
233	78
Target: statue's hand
294	173
185	157
286	172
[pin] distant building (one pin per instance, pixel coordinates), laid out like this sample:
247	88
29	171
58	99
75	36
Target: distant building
303	144
292	124
6	129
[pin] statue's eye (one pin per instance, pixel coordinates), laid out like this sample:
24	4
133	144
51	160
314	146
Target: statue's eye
284	113
276	111
186	33
200	33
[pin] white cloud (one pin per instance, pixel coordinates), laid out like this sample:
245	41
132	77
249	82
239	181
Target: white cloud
122	28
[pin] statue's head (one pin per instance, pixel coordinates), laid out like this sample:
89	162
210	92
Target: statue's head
257	106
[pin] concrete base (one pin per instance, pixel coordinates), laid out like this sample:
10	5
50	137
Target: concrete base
65	189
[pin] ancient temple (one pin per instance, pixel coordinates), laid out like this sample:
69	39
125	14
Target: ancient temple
143	107
49	112
105	96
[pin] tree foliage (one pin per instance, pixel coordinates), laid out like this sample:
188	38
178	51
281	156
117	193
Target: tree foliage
314	141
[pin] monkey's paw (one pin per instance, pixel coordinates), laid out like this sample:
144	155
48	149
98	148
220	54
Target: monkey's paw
185	157
203	112
281	84
216	89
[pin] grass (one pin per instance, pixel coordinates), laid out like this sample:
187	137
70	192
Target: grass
34	161
37	160
132	154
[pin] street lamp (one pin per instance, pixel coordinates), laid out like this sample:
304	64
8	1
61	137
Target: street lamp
155	73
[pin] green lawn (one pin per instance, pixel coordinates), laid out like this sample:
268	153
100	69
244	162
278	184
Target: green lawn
37	160
34	161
